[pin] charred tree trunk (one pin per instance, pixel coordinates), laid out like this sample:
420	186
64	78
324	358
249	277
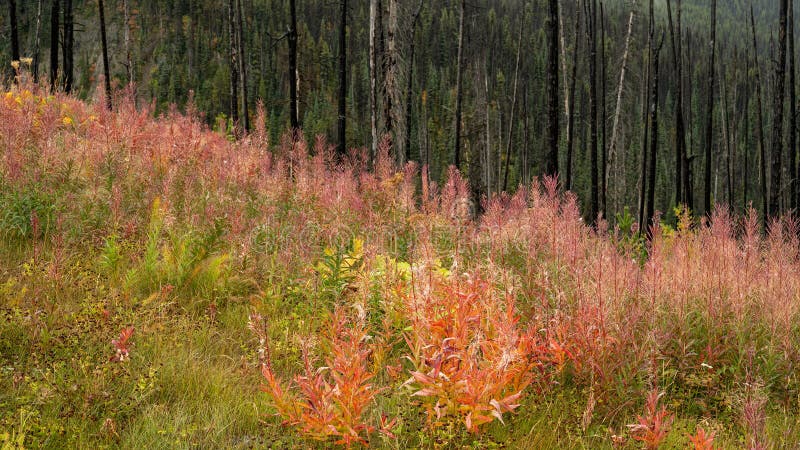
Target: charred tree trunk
748	144
12	16
410	87
651	177
709	136
374	5
394	92
54	24
792	112
591	30
646	120
525	166
603	148
727	133
551	160
777	122
760	118
680	138
563	49
37	43
571	108
686	168
104	42
294	78
618	107
342	148
69	44
459	68
488	158
690	144
127	39
513	108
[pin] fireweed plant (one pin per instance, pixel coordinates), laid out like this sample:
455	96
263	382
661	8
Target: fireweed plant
381	311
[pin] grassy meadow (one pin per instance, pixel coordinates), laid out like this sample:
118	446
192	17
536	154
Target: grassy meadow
163	285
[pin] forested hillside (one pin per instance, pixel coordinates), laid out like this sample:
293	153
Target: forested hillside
170	50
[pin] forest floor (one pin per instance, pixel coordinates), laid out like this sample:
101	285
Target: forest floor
165	286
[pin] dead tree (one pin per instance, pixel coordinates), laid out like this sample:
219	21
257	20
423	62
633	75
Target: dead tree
12	16
69	46
242	59
792	112
513	110
618	108
294	81
374	5
760	118
590	7
410	86
55	9
551	160
37	43
603	149
571	108
233	65
342	148
104	42
680	135
709	136
777	122
459	69
651	177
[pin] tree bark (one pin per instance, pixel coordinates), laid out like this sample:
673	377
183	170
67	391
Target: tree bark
342	149
104	42
777	122
54	24
459	68
551	160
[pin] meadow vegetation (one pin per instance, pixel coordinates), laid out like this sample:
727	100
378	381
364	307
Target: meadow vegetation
165	285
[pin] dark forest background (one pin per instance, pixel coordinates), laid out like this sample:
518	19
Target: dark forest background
617	144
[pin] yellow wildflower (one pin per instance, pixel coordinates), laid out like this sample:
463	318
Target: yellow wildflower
67	120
